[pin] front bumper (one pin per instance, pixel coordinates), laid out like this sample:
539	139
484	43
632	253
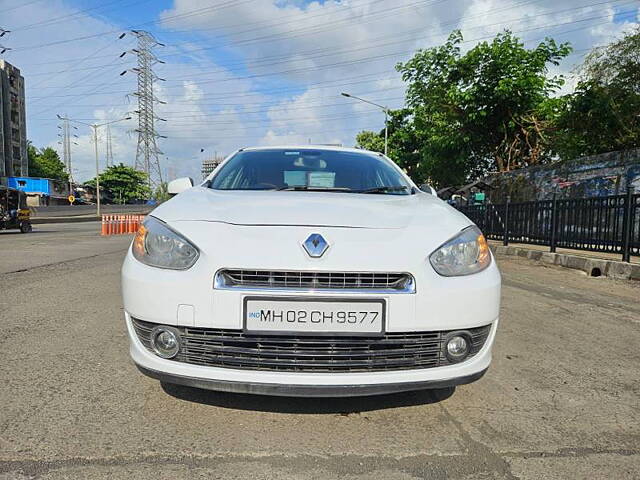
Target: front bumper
277	389
329	384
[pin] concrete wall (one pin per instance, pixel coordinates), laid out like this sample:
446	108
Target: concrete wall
593	176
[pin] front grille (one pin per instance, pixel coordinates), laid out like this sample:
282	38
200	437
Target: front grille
273	279
239	350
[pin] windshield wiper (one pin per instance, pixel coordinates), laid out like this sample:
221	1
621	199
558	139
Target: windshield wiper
310	188
385	189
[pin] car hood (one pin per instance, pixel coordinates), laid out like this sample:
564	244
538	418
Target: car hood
291	208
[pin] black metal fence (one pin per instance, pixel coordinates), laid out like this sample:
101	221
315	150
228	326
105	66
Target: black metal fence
599	224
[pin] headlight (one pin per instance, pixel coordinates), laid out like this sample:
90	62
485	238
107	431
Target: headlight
157	245
464	254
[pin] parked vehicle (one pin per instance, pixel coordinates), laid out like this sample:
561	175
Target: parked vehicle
309	271
14	213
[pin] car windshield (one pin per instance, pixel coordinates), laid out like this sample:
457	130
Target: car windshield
309	169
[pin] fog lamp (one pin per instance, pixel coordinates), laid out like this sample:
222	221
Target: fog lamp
165	341
457	346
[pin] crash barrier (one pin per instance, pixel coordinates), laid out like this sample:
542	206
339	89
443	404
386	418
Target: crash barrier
121	224
608	224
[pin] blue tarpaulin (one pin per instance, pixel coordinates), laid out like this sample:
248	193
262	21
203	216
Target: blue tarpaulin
31	185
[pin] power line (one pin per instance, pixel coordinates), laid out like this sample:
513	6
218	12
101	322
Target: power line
226	70
243	93
336	24
328	66
200	115
5	10
331	49
374	57
82	79
78	62
227	94
324	131
52	21
95	35
279	22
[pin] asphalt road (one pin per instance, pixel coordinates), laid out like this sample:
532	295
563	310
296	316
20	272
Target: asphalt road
561	400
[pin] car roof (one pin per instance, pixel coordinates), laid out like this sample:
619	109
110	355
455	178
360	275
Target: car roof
328	148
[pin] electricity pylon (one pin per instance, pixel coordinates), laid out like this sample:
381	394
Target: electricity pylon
3	32
66	137
147	153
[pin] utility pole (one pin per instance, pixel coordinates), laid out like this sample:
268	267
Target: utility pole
95	144
66	137
109	150
147	153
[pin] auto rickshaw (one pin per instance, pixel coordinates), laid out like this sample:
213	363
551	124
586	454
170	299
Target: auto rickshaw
14	213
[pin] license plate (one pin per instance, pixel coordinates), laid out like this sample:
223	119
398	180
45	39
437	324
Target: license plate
295	315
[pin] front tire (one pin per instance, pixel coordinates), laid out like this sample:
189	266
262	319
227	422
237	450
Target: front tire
25	227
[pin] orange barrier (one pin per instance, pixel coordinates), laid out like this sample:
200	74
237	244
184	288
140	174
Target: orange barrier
120	224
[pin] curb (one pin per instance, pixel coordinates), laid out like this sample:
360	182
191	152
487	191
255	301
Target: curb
594	267
76	219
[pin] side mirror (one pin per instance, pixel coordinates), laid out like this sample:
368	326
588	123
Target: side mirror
179	185
425	187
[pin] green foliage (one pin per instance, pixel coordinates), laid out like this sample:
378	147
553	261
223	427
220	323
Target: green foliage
124	183
602	114
494	109
370	141
162	193
46	163
404	143
479	111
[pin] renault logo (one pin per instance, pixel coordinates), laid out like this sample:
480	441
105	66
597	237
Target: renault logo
315	245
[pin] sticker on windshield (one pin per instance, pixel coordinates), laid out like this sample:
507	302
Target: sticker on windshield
294	178
322	179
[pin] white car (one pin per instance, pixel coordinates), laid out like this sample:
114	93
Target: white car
310	271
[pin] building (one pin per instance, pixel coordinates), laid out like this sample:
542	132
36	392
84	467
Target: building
41	191
13	125
210	165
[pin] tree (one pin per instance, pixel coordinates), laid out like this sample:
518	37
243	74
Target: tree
162	192
370	141
602	114
125	183
404	143
46	163
479	112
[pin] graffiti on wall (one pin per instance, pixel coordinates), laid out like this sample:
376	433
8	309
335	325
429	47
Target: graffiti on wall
593	176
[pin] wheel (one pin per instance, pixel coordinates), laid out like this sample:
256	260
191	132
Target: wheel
25	227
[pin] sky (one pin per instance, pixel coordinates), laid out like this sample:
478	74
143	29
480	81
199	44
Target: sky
239	73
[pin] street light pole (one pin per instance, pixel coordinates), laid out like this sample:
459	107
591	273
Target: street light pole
95	127
95	144
386	131
386	118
